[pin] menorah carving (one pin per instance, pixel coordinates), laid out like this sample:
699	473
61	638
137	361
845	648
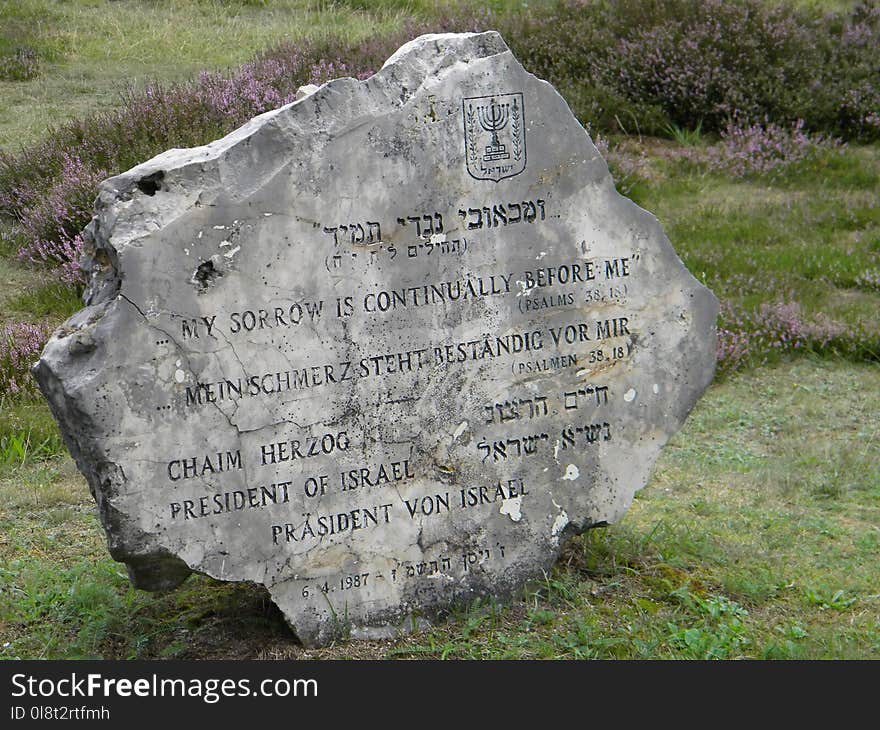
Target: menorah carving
493	118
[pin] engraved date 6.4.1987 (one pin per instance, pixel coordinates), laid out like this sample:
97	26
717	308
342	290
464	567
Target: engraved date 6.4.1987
343	583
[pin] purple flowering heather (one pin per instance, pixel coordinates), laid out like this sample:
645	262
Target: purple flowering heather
869	280
733	349
20	347
776	328
21	65
643	65
52	225
701	62
765	148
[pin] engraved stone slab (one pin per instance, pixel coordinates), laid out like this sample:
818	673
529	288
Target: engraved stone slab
382	349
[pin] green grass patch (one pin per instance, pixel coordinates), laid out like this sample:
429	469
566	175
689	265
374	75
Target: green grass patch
28	434
52	300
20	449
756	538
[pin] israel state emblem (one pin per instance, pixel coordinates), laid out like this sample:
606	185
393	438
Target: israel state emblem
494	135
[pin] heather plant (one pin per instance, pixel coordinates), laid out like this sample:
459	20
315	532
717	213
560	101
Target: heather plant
765	148
703	62
563	43
51	225
20	346
780	328
20	65
627	168
869	280
734	348
850	81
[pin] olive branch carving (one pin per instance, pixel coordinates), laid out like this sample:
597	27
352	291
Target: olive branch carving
515	131
471	122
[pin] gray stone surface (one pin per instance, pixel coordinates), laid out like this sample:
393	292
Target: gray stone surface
380	350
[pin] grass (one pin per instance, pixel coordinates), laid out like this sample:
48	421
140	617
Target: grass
758	534
18	450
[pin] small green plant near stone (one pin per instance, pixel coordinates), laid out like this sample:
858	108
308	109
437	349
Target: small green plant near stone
341	624
542	617
16	450
28	434
718	630
558	587
684	136
836	601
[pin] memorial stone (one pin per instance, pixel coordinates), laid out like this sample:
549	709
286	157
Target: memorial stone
382	350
